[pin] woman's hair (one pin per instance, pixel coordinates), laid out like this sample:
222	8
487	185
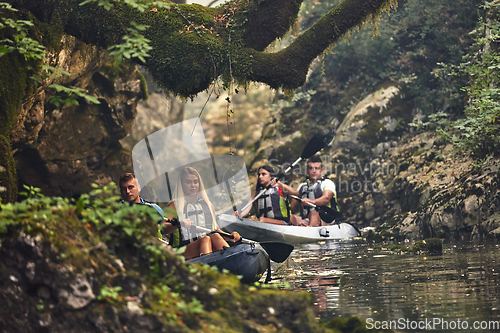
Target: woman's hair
269	169
179	194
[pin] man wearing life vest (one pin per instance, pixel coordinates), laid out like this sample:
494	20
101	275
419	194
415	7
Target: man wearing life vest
129	188
317	190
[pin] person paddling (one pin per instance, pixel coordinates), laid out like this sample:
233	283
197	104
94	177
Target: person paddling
192	206
273	205
317	190
130	188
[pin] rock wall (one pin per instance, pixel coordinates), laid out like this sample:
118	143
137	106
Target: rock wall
407	185
63	150
411	185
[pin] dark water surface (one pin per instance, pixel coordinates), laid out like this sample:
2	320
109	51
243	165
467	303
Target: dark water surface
459	287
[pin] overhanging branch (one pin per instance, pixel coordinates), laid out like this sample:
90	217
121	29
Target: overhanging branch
288	67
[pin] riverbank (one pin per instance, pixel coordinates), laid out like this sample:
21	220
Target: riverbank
96	265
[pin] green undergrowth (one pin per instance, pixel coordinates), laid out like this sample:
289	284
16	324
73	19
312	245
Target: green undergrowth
116	243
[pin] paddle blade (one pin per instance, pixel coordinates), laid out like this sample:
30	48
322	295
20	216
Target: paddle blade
328	214
278	252
318	142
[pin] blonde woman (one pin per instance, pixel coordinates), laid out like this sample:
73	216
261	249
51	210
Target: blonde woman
193	206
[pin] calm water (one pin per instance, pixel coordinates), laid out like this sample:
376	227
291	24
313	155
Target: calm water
353	278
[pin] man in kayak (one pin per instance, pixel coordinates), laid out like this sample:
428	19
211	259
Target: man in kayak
317	189
129	188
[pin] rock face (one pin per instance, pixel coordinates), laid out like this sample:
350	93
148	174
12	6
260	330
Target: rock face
63	150
406	184
413	185
348	133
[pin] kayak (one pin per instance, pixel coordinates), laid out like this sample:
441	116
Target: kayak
267	232
249	260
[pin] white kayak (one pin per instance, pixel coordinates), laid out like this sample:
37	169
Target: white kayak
267	232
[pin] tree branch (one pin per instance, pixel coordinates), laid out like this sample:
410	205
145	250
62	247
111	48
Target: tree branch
194	45
288	67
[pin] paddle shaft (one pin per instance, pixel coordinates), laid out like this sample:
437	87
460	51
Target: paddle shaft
293	164
309	203
252	201
223	233
326	213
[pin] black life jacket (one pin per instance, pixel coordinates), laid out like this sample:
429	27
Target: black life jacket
314	192
272	205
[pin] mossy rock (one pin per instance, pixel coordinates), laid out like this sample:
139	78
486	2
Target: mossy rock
430	245
8	176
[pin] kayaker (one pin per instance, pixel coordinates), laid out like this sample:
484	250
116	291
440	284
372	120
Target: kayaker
317	190
129	189
273	206
191	205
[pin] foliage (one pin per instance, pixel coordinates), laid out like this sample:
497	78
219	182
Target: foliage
406	52
436	121
32	49
70	95
135	45
101	210
109	293
20	41
478	132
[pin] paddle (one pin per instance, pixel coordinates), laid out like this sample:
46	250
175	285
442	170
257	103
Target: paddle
252	201
277	252
326	213
318	142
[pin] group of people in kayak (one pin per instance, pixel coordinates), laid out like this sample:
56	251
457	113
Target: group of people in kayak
277	203
274	204
192	200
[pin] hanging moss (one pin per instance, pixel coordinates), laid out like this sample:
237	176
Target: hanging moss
12	91
16	89
8	176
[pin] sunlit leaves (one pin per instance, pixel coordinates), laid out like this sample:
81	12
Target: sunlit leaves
20	41
134	45
70	95
478	132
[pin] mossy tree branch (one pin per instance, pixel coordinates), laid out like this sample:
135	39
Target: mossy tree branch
194	45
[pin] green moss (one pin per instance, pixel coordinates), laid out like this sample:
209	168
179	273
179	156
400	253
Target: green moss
144	86
374	131
430	245
17	88
12	92
8	176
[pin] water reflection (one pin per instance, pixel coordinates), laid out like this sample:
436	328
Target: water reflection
355	279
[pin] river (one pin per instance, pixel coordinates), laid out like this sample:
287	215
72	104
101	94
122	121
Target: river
459	288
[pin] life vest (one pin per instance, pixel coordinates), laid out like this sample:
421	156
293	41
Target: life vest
153	205
201	215
314	192
272	205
